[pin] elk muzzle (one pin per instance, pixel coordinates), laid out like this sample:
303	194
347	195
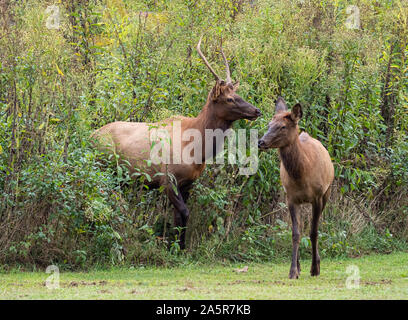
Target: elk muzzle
271	139
250	112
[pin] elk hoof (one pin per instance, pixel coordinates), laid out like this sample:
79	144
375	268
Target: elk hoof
293	274
315	270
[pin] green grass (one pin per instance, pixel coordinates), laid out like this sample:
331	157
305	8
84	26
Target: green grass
382	277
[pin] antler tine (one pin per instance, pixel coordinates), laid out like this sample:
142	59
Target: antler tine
205	60
227	69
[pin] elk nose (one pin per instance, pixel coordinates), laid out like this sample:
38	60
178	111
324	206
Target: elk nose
258	112
261	144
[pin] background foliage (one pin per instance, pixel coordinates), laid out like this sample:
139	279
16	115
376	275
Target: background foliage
110	60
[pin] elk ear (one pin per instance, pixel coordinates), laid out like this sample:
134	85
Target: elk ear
280	105
236	85
297	112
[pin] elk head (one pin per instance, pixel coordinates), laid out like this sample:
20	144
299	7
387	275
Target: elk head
283	130
224	101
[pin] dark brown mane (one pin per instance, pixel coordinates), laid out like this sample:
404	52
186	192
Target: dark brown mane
291	159
210	120
207	120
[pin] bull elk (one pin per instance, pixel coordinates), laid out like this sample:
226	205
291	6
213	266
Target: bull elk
306	173
130	140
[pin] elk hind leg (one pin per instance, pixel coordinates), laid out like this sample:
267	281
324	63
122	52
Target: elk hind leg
317	211
326	197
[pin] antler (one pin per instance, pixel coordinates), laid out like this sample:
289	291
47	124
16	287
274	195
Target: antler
205	60
227	69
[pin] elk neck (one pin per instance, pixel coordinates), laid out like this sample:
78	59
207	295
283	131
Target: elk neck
207	119
293	159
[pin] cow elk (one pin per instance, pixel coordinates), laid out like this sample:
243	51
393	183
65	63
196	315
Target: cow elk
306	173
130	140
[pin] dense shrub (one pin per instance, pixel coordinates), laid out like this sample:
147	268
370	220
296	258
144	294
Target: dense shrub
63	202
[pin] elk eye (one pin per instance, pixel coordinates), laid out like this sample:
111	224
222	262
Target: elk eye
283	127
230	100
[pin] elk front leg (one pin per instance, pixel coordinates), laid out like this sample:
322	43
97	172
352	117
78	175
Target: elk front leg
185	193
295	266
181	212
298	262
317	211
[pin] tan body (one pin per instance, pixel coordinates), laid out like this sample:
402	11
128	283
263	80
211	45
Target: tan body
306	173
317	171
131	140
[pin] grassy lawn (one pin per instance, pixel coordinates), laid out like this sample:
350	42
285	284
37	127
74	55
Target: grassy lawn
382	277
